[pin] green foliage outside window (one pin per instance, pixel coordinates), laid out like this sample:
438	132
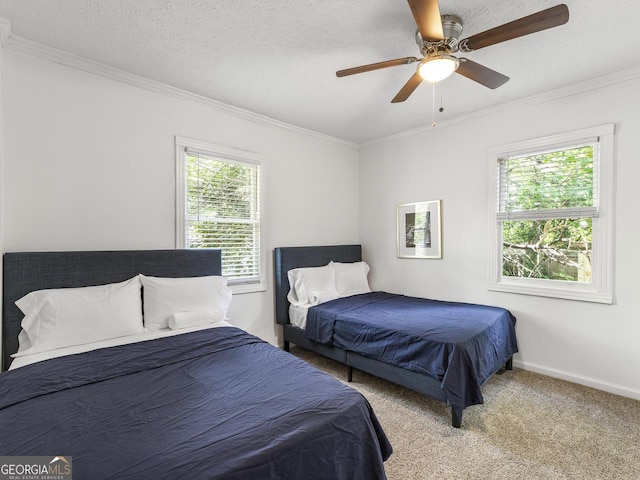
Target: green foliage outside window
222	210
557	249
548	248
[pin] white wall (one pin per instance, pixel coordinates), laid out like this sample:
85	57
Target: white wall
589	343
89	163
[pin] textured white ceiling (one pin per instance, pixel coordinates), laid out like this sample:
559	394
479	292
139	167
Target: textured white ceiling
278	57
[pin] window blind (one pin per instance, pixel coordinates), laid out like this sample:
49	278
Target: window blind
553	184
223	211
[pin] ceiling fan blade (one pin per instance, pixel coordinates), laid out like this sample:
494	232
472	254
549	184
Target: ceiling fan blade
375	66
408	88
481	74
427	16
549	18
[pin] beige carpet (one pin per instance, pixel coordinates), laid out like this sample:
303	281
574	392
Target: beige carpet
530	427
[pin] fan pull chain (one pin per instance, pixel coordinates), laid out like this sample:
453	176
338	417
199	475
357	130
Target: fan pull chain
433	104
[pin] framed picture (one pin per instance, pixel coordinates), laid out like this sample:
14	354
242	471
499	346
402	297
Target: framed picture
419	230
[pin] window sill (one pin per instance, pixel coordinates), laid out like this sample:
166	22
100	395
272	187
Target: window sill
240	288
564	293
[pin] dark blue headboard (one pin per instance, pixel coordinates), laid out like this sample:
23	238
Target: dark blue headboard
288	258
25	272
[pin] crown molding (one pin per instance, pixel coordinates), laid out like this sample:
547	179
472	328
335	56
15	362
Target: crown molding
545	97
19	44
22	45
5	31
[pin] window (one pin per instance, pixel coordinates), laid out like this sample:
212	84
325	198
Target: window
551	219
219	199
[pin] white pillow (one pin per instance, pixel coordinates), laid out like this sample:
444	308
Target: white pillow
351	278
180	320
64	317
162	297
304	281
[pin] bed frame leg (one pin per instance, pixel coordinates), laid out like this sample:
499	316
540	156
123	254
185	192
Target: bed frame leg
509	364
456	416
286	346
349	374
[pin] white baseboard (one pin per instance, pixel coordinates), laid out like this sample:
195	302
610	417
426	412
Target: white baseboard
579	379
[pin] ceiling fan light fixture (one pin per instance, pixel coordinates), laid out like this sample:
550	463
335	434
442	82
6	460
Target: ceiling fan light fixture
437	68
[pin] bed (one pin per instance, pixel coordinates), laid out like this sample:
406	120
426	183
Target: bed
445	350
211	402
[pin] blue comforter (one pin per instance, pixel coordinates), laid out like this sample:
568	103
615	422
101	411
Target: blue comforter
214	404
459	344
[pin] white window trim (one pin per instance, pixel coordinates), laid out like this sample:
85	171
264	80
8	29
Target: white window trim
229	153
600	290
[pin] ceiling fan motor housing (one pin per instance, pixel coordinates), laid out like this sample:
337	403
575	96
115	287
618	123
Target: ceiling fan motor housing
451	29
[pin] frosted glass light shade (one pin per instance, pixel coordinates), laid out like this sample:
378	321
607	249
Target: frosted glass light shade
438	68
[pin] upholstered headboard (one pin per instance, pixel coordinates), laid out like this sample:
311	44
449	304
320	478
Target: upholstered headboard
30	271
287	258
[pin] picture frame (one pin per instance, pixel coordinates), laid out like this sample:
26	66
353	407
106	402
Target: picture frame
419	230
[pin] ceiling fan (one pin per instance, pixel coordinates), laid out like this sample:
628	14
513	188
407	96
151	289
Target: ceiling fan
437	37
